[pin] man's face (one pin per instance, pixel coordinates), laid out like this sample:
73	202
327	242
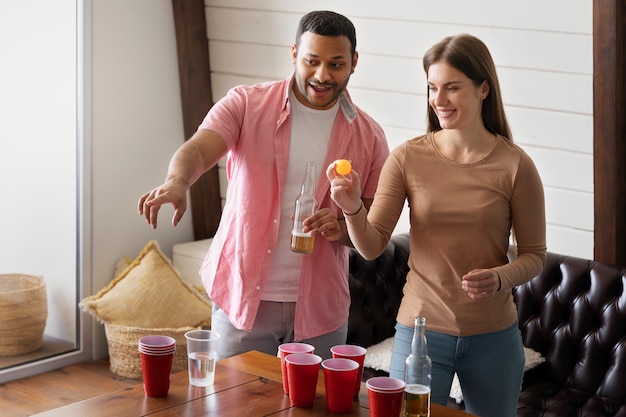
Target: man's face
323	65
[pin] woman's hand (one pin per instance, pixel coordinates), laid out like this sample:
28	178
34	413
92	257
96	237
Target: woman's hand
481	283
345	190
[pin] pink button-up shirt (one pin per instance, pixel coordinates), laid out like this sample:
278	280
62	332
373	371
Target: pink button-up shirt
255	123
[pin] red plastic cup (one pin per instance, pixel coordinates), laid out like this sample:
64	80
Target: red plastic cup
357	354
339	379
156	352
157	342
303	370
287	349
156	369
385	396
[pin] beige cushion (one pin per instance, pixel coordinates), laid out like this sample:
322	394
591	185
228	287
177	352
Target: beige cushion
149	293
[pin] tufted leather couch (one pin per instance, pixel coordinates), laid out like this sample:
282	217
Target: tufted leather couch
573	313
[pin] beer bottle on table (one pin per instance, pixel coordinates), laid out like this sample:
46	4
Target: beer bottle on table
417	373
306	206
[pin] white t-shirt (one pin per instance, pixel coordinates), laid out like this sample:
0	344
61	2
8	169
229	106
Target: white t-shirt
310	134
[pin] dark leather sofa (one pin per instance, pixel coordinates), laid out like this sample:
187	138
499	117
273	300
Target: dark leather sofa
573	313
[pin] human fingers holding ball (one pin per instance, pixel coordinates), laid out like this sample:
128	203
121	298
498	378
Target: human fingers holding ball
345	186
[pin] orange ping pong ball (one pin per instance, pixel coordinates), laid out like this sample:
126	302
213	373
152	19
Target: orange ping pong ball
343	167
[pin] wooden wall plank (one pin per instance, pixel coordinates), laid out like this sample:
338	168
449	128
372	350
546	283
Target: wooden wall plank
609	81
195	88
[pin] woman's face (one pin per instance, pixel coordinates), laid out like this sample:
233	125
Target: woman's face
323	65
455	99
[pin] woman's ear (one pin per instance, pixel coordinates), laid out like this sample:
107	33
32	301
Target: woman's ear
484	89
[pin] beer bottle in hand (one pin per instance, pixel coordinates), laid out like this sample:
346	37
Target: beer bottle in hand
417	372
306	206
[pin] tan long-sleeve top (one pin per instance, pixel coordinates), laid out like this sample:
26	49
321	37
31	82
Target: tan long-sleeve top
461	218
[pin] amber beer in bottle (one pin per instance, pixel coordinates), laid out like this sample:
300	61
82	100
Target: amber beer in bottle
306	206
417	374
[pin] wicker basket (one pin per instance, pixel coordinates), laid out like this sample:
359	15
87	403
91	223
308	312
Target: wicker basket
23	313
124	351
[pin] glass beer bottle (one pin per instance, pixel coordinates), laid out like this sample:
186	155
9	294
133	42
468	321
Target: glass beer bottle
417	373
306	206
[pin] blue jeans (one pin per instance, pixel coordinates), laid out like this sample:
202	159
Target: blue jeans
273	325
490	367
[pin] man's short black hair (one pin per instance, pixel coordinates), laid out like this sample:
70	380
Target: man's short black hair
327	23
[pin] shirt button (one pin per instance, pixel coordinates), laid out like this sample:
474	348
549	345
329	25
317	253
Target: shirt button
275	221
269	251
258	288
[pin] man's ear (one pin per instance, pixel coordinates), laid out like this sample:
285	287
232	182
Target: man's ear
294	53
355	59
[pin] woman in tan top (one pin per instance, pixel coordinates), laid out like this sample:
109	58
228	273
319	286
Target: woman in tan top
469	188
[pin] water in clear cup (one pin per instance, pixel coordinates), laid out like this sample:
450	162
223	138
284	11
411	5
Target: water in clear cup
201	368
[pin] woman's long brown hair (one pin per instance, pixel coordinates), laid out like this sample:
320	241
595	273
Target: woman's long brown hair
471	56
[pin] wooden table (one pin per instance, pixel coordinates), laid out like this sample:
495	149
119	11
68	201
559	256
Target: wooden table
247	385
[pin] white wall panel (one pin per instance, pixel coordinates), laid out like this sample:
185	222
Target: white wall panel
392	109
551	129
567	208
543	56
251	26
390	73
570	241
563	169
547	90
550	51
261	61
554	15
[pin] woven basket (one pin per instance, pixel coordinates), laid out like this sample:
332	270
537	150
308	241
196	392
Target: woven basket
124	350
23	313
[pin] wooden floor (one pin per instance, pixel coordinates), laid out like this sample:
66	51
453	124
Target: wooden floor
54	389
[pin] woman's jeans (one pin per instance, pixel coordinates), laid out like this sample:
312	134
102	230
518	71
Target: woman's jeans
490	367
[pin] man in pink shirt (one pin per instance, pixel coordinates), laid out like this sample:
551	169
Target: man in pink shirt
263	294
